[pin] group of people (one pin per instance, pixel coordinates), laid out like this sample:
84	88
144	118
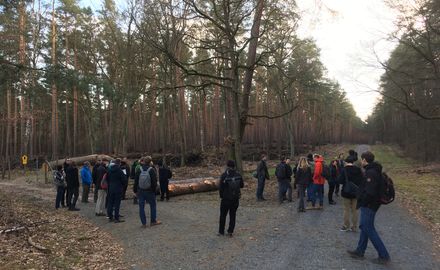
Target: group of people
358	181
110	183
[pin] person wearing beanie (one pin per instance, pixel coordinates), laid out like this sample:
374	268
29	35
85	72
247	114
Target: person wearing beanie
230	184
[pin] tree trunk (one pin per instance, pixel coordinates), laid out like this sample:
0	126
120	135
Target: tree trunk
54	90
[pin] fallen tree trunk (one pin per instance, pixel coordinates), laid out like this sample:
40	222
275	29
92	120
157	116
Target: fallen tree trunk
80	160
190	186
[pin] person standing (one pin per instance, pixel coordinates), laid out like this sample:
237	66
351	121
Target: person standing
340	168
133	172
94	178
262	176
116	180
72	180
126	170
351	178
230	184
102	189
318	182
368	201
284	175
303	177
86	177
145	183
58	180
165	175
332	181
311	163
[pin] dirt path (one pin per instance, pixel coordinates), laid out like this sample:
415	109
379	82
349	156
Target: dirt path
267	236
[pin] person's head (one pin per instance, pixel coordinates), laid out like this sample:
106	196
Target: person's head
350	160
230	164
287	160
59	168
303	164
341	156
315	156
367	158
335	162
148	160
283	159
160	163
118	162
86	164
68	161
310	156
351	152
264	156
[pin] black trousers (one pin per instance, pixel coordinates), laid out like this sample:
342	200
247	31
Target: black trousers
331	190
72	196
227	206
164	192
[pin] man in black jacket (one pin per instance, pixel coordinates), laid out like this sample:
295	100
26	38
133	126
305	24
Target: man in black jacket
369	202
147	195
116	180
94	178
262	175
230	184
283	172
72	181
165	175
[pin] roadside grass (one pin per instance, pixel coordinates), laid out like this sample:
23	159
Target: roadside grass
419	191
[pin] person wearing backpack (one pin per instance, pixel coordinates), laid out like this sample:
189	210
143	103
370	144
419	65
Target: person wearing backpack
230	184
102	189
116	180
165	175
368	201
350	179
146	183
58	180
284	174
262	176
86	177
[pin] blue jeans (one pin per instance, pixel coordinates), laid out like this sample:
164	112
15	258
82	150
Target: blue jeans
260	187
60	195
150	198
309	192
368	231
318	193
113	203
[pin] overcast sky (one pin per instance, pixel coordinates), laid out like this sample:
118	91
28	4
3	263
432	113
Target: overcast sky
351	35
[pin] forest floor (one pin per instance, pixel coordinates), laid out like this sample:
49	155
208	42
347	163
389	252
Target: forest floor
267	235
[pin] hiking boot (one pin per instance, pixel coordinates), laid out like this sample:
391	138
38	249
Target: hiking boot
355	254
119	220
345	229
332	203
100	214
230	234
381	261
143	226
156	223
320	207
220	234
353	229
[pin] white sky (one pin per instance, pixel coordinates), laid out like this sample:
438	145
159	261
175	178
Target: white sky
350	33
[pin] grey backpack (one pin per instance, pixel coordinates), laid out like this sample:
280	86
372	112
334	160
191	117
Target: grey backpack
145	179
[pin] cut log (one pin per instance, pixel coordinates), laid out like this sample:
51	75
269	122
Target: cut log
80	160
37	246
190	186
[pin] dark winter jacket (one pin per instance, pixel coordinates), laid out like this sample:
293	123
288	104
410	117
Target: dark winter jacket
116	180
262	171
224	185
334	172
153	177
72	178
58	178
303	177
165	174
353	174
99	174
133	169
126	167
283	172
369	190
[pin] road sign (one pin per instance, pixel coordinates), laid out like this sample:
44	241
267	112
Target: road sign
24	159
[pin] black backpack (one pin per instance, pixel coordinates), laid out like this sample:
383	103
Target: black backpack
387	193
232	187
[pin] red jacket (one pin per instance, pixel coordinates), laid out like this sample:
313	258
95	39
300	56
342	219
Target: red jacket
318	179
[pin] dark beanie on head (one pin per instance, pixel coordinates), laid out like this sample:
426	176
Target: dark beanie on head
230	164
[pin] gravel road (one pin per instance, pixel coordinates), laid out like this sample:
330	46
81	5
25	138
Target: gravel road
267	236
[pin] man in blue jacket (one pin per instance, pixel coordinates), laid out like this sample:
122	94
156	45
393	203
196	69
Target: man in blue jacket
86	177
116	180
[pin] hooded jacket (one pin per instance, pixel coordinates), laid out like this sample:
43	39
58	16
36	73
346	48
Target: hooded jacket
318	179
116	180
86	175
72	179
369	190
352	174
